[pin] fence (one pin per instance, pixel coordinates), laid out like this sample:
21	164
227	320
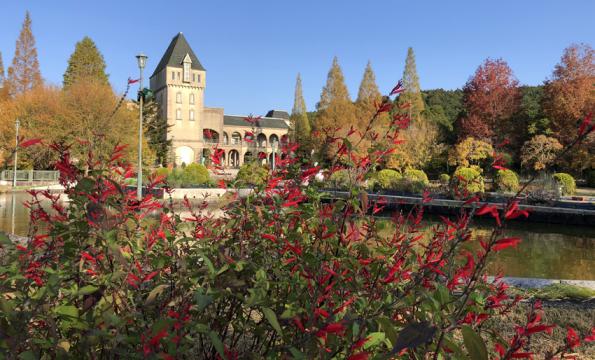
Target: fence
30	176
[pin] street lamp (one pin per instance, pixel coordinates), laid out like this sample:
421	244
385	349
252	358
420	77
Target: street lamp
142	61
274	149
14	173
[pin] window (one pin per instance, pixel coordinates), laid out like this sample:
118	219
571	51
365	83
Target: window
178	114
186	72
193	77
179	97
198	77
178	75
173	75
191	118
191	99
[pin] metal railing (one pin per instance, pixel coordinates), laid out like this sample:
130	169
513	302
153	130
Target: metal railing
30	175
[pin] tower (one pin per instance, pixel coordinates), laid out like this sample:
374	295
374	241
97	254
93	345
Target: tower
179	82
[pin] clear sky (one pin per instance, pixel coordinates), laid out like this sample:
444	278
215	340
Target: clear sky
252	50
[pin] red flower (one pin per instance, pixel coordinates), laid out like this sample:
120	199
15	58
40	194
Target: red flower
505	243
572	338
29	142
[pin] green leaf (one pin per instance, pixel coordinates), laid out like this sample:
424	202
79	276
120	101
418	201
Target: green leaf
4	239
272	318
374	339
86	290
296	353
209	264
474	344
217	344
27	355
389	330
67	310
202	300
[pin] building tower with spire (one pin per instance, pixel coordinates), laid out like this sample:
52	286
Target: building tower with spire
179	83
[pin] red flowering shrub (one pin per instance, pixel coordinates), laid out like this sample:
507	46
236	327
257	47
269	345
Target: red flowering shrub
281	273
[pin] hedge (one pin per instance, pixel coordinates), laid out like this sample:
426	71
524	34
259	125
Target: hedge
414	181
252	173
444	178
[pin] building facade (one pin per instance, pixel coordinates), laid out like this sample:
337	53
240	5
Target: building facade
179	83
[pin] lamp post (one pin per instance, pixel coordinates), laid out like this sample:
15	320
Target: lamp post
14	173
142	61
274	148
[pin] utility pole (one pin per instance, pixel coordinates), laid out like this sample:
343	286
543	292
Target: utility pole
14	173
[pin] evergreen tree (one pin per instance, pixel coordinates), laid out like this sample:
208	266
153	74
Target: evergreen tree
299	116
24	74
336	112
412	93
156	129
85	62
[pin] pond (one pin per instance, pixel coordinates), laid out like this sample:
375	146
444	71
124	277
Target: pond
547	251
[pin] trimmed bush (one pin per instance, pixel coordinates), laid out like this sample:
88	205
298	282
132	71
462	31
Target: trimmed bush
444	179
339	179
506	181
591	178
252	173
467	179
162	171
566	182
414	181
195	174
388	179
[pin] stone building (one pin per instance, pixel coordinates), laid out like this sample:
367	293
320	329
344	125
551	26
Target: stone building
178	83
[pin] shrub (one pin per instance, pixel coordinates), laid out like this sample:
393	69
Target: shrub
252	173
591	178
414	181
388	179
466	180
506	181
444	179
195	174
566	182
339	179
162	171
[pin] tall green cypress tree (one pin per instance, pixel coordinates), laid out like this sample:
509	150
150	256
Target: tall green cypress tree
412	93
299	116
86	62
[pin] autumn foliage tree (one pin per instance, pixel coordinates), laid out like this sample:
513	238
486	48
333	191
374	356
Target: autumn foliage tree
491	97
412	90
24	74
336	111
539	152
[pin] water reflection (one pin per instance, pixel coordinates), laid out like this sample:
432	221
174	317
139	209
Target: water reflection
547	251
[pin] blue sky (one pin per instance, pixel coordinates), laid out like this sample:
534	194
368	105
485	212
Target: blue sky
252	50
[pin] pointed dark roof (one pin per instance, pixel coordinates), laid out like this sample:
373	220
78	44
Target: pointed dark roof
175	53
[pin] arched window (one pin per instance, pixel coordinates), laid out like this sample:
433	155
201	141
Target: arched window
191	115
179	97
210	136
191	100
274	138
178	114
225	138
261	140
236	138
